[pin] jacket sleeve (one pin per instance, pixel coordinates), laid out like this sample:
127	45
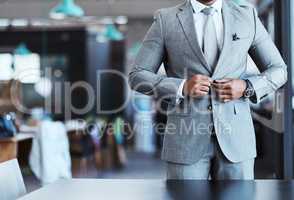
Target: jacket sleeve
143	77
268	60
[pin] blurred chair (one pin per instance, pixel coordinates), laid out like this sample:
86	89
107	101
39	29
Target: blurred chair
11	181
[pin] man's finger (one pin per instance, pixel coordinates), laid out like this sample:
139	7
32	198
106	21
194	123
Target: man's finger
221	86
225	97
203	77
198	92
223	80
204	88
206	78
201	93
223	92
205	83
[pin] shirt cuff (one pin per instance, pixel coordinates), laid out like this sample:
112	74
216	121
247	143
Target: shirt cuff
180	92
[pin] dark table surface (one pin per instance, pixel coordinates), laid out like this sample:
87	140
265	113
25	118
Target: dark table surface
80	189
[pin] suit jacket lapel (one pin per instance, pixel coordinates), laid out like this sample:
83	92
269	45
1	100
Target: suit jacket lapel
185	16
228	19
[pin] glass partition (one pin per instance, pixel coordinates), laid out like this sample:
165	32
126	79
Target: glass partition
273	116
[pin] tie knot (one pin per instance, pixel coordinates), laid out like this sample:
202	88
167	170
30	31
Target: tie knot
208	11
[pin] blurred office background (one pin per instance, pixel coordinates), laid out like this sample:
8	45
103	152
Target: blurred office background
52	46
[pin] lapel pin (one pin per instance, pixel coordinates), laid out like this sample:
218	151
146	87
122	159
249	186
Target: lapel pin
235	37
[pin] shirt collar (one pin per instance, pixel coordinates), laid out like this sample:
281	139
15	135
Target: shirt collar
198	7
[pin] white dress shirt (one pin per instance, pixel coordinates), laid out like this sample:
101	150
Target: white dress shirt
199	21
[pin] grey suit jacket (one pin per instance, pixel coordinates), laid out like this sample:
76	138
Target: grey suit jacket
172	39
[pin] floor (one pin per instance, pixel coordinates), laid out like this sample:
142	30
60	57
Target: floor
139	166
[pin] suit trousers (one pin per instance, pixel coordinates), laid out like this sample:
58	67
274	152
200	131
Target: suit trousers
213	165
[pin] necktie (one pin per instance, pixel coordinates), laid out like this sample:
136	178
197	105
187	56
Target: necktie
210	45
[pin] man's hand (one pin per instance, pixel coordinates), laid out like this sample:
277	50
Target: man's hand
229	89
197	86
